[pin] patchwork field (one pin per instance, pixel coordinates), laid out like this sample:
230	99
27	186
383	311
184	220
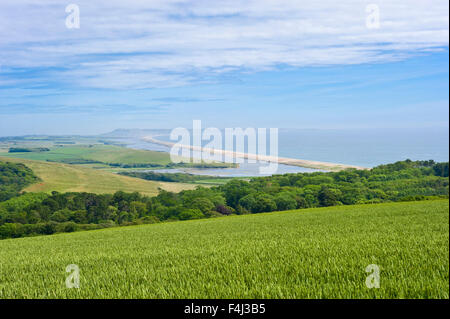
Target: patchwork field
71	178
311	253
101	153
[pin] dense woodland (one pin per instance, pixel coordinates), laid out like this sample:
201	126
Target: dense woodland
171	177
28	149
13	178
32	214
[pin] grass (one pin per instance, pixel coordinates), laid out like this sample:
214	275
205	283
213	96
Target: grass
73	178
101	153
313	253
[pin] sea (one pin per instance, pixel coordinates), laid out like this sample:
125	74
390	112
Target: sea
360	147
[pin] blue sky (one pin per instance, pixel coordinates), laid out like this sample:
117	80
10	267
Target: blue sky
161	64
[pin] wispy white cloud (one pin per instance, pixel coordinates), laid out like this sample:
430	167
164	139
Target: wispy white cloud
160	43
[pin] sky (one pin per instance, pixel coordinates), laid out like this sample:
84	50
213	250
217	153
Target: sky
277	63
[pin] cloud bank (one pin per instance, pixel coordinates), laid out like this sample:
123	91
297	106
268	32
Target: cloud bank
168	43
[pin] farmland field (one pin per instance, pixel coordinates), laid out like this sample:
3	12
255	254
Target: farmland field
101	153
72	178
309	253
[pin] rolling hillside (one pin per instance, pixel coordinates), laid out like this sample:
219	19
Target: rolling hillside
309	253
71	178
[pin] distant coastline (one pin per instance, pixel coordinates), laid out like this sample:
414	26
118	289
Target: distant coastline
280	160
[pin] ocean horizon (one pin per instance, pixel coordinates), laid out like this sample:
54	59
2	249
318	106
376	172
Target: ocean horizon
361	147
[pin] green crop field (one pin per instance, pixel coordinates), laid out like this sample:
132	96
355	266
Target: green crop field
311	253
74	178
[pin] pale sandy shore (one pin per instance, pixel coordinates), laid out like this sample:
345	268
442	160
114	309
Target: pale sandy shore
272	159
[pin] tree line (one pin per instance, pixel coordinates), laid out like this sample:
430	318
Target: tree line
32	214
171	177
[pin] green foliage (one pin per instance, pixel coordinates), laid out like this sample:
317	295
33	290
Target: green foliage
28	150
285	201
13	178
441	169
313	253
327	197
172	177
401	181
191	214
